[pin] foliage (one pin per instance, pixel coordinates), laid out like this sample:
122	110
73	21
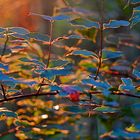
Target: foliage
52	92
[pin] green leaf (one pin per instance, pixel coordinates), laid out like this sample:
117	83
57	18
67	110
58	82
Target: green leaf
103	85
115	24
19	30
135	16
58	63
133	128
75	37
84	53
124	134
51	18
52	72
2	30
136	73
75	109
3	66
85	23
39	37
89	33
69	89
7	113
21	36
61	17
127	84
135	106
106	54
105	109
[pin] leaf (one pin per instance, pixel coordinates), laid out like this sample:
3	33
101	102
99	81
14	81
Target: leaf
77	10
19	30
2	30
106	54
103	85
84	23
127	84
105	109
135	106
7	113
75	109
3	66
10	81
52	72
58	63
125	134
115	24
84	53
75	37
21	36
135	18
39	37
89	33
69	89
133	128
61	17
51	18
136	73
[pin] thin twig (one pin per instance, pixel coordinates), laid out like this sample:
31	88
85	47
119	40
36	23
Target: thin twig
49	55
27	96
3	91
100	51
56	93
5	45
12	130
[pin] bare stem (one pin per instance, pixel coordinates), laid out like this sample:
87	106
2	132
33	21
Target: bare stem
49	54
5	45
3	91
100	51
127	94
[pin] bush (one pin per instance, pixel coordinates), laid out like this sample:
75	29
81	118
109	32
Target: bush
84	85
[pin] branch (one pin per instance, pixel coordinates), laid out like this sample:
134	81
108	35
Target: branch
27	96
12	130
119	93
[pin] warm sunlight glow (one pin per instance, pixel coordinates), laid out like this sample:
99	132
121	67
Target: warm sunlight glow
56	107
44	116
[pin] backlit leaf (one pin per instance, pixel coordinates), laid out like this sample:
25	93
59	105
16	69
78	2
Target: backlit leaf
3	66
39	37
19	30
127	84
84	53
84	23
7	113
2	29
106	54
105	109
136	73
135	16
51	18
116	24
